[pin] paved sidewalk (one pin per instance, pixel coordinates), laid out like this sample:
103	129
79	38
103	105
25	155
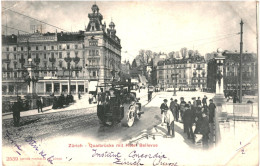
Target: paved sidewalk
79	104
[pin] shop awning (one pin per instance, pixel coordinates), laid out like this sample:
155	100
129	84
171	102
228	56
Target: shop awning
92	86
143	79
134	80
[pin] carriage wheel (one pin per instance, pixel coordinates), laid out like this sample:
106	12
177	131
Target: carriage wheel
131	116
138	116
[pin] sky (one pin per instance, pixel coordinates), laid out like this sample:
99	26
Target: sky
159	26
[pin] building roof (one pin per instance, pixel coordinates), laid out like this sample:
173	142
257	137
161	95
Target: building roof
70	36
199	59
11	39
246	57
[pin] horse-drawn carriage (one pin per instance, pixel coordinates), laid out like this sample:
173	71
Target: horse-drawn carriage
118	105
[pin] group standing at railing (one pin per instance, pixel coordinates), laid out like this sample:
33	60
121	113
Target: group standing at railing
192	113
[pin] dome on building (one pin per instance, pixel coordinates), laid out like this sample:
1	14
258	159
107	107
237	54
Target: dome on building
95	8
112	24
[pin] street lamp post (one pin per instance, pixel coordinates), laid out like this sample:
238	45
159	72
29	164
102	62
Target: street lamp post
68	60
31	80
174	77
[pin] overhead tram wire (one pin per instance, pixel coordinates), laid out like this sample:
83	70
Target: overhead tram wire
35	19
220	36
15	29
217	40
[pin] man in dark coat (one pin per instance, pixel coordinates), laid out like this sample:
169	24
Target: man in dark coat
173	108
188	121
212	108
182	110
164	108
198	101
197	119
204	129
39	105
177	109
204	101
17	108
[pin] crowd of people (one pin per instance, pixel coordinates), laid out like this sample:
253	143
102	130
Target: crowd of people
196	113
62	100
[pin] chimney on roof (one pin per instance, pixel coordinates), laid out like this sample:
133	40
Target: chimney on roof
235	50
61	33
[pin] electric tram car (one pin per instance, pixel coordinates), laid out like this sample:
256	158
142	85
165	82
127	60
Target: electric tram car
118	105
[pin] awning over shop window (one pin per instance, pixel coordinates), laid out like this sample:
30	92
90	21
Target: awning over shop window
142	79
92	86
134	80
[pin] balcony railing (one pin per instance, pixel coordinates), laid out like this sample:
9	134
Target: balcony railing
6	60
93	77
53	60
47	69
93	66
37	60
76	59
7	69
22	60
199	68
76	69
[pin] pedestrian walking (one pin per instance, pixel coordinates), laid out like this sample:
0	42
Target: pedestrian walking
173	108
90	98
17	108
205	130
163	108
204	101
176	109
211	108
55	103
194	102
182	110
198	118
39	105
188	120
170	122
198	101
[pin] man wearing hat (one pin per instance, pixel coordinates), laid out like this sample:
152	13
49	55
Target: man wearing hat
17	108
212	108
188	121
204	101
176	109
182	110
170	122
198	101
164	108
173	108
194	101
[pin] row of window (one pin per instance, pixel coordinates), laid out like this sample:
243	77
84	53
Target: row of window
93	52
60	47
41	74
185	65
15	65
44	55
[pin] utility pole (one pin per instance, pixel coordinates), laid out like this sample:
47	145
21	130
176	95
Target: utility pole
240	64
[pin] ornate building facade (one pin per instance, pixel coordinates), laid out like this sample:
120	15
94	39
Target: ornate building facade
185	73
231	73
64	62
